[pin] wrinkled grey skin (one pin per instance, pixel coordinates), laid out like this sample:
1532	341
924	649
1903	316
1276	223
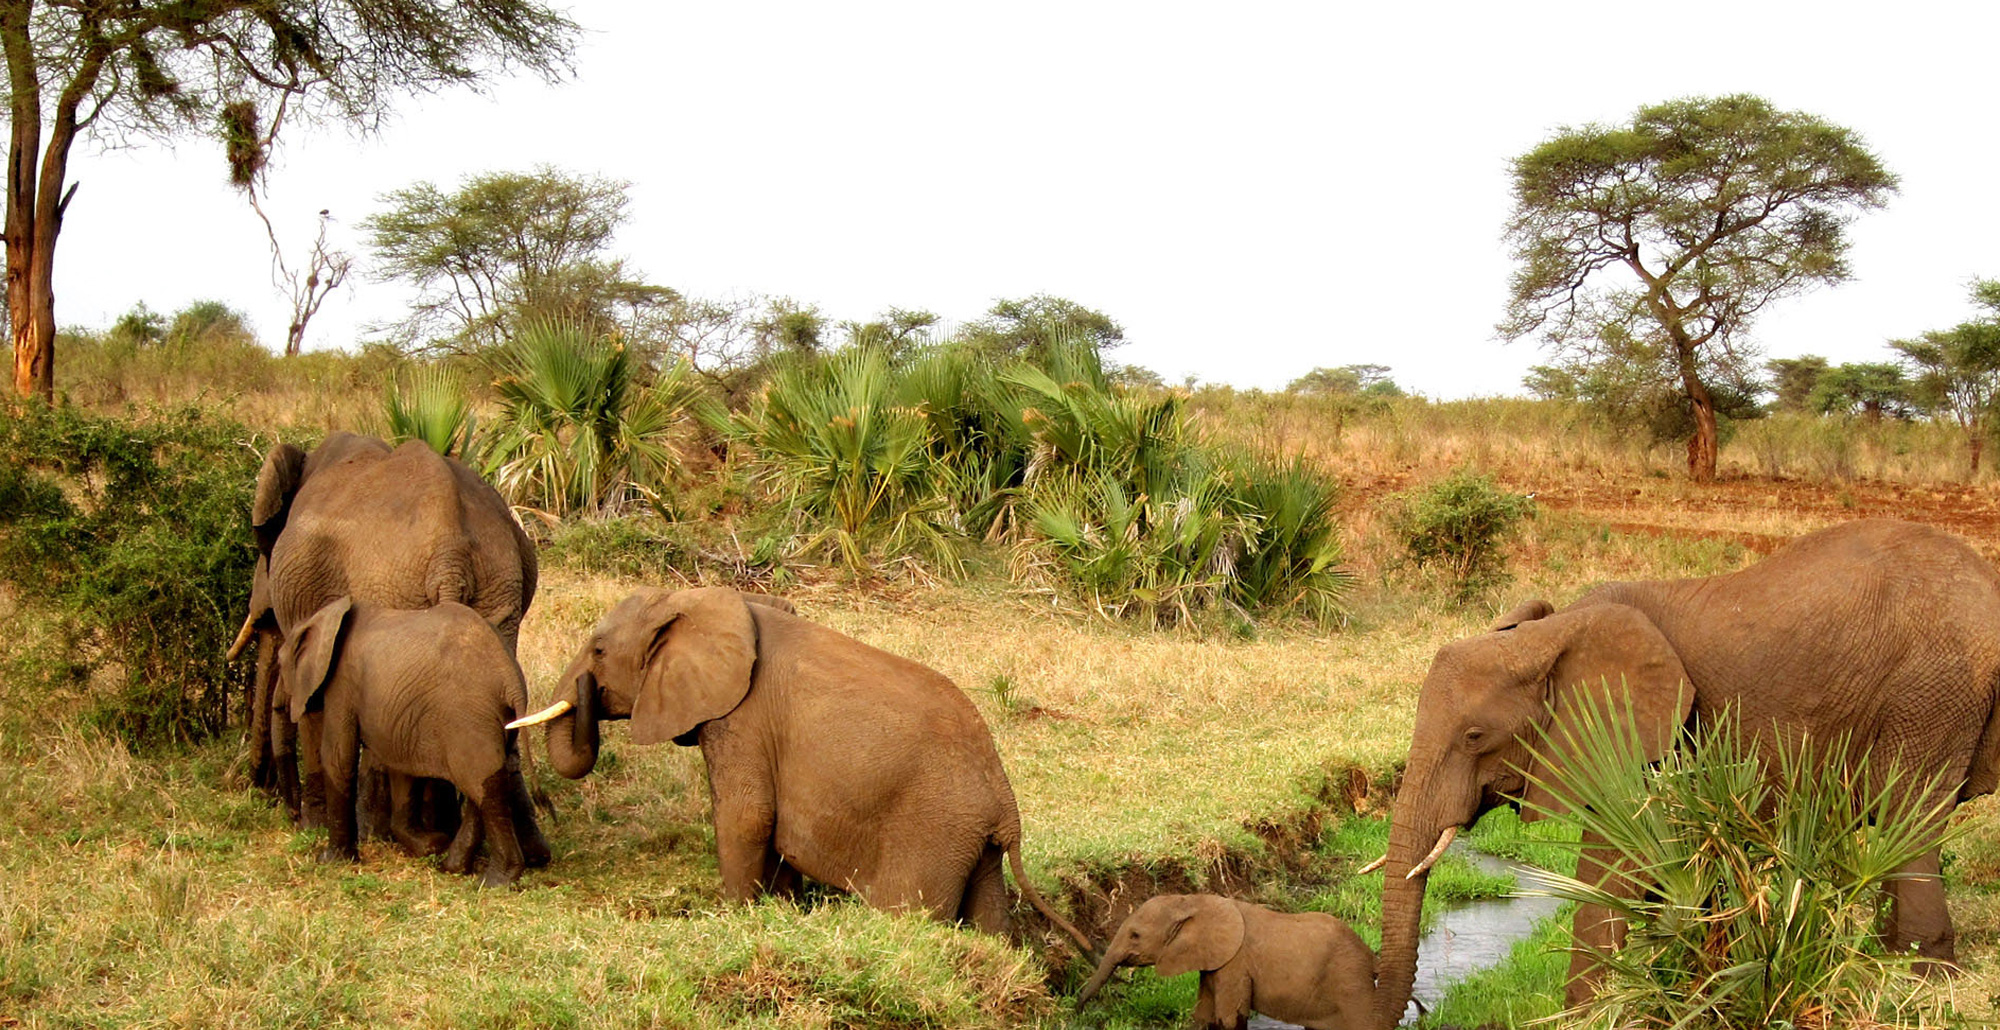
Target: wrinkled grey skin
1886	631
402	528
429	693
826	757
1310	968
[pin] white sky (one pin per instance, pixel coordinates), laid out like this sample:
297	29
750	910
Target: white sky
1252	190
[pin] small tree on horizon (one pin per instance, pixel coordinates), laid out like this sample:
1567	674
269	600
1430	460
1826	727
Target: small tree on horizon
1956	372
1678	229
1793	380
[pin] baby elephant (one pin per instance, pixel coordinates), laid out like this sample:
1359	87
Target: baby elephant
430	693
1309	969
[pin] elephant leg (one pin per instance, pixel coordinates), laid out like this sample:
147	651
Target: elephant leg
504	862
1203	1017
743	827
534	846
471	828
417	841
985	903
312	793
339	743
373	815
1918	918
1596	930
285	763
264	773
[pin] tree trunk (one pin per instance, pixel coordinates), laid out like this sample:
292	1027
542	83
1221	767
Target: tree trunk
1975	447
1702	446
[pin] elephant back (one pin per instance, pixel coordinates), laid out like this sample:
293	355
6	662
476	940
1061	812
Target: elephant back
400	529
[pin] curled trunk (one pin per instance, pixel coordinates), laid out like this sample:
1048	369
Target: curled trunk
572	736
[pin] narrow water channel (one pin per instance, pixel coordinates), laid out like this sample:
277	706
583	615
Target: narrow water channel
1465	938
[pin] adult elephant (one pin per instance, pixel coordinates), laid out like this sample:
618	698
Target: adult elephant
395	528
1886	631
861	769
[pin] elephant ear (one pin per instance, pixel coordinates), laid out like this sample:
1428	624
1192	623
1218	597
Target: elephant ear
697	668
277	482
1603	659
1204	932
313	651
1526	611
769	601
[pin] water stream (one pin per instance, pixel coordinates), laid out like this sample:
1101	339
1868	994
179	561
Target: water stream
1465	938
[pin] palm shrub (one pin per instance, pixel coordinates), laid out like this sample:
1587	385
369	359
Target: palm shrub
1292	554
428	403
1161	557
831	434
578	430
1762	865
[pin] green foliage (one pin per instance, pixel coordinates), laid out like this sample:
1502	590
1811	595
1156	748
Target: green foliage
578	430
1631	383
1871	389
1032	327
833	436
1955	372
1459	525
1762	865
1368	381
1793	380
133	532
428	403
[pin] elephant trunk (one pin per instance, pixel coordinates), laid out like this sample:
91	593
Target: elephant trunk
572	735
1114	956
1410	838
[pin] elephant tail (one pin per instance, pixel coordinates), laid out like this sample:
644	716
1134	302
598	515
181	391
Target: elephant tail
1035	898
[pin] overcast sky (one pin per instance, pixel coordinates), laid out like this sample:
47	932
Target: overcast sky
1252	190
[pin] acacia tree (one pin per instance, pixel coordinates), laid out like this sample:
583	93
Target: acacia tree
1679	228
160	68
507	249
1956	371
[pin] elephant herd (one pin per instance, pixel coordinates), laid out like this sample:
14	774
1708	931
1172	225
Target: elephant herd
391	583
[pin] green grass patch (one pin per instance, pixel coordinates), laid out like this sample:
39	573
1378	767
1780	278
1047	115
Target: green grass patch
1525	986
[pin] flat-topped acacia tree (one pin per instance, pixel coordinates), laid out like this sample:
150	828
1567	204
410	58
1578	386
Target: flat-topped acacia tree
1679	228
159	68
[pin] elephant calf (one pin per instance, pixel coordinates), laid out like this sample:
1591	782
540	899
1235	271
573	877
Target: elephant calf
1310	969
430	693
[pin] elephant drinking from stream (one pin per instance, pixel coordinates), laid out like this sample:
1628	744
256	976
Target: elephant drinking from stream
1886	632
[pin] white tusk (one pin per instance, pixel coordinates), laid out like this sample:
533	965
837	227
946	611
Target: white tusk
1372	866
242	638
1444	841
542	716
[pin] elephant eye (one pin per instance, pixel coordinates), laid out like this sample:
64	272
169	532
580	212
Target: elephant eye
1474	737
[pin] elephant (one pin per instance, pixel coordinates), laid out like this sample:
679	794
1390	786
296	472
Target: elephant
1309	968
401	528
429	692
1886	631
826	757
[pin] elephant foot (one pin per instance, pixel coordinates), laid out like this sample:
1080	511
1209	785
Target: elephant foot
535	852
422	843
495	876
1936	969
330	855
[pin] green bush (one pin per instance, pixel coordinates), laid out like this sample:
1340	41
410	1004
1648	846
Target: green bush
1458	525
134	532
1763	867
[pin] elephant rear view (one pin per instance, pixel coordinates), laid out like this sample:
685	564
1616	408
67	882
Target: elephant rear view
429	692
860	769
397	528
